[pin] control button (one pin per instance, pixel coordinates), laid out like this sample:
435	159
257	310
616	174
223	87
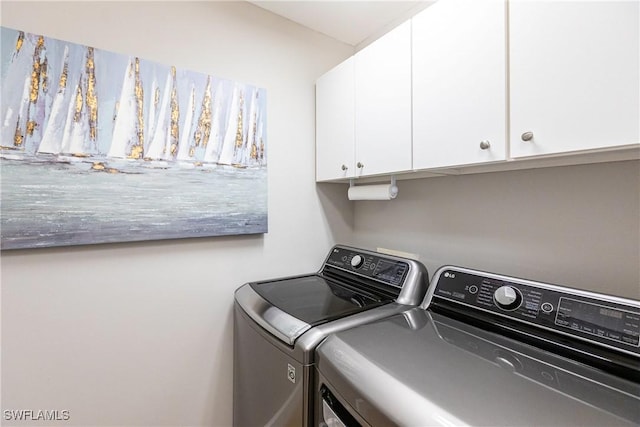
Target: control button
473	289
547	307
507	298
357	261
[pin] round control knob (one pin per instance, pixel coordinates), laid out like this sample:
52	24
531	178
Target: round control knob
357	261
547	307
507	297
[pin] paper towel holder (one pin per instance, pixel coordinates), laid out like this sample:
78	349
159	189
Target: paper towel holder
390	191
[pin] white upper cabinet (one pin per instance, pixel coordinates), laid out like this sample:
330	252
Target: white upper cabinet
383	104
477	82
574	73
335	121
459	83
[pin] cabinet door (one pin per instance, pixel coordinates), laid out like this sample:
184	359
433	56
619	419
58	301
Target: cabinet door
335	123
383	104
459	83
574	75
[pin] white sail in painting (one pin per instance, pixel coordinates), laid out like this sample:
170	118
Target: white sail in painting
80	130
54	132
249	150
164	141
161	130
154	99
202	133
36	114
78	127
234	124
262	160
185	149
212	153
66	133
15	93
173	119
125	131
16	123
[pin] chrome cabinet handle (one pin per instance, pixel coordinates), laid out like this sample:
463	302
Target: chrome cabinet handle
484	145
344	167
527	136
360	165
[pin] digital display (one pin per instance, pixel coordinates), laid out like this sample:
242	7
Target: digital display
601	321
390	271
611	313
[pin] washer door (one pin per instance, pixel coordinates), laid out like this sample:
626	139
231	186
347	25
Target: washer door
329	417
334	413
315	299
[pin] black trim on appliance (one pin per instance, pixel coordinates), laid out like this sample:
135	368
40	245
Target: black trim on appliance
358	283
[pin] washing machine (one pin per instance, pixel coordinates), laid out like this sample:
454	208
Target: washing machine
278	324
487	350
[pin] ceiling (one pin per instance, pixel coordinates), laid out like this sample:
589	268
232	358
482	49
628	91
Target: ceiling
350	21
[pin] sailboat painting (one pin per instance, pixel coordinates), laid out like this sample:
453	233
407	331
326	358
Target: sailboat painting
101	147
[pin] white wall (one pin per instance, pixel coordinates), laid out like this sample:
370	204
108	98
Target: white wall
578	225
141	334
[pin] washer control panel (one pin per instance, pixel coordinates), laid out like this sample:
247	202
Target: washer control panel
375	266
603	319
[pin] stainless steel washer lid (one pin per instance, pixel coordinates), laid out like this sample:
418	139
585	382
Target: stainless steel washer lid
288	307
351	281
420	368
284	326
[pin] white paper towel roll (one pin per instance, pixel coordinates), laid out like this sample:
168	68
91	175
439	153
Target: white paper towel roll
373	192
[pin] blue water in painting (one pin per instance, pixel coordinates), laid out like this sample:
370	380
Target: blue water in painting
54	203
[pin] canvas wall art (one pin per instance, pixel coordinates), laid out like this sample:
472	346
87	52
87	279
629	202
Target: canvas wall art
103	147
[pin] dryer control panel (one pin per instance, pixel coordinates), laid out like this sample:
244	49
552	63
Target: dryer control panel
606	320
388	270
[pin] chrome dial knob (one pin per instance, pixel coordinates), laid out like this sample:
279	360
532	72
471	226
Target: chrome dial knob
507	297
357	261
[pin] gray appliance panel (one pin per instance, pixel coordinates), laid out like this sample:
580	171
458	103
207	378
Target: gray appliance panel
269	377
419	368
262	388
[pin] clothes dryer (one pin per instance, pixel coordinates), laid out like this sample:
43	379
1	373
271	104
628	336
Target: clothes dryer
487	350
